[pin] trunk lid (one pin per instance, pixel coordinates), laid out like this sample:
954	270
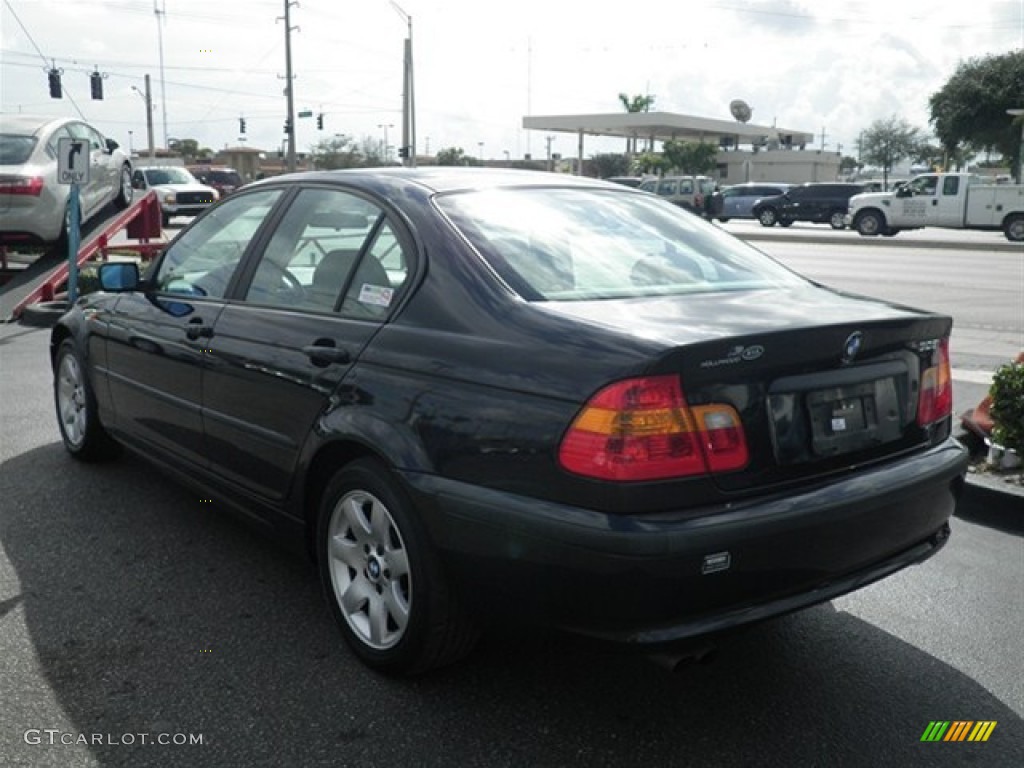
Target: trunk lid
823	382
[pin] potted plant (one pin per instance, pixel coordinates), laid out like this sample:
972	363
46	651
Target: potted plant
1006	448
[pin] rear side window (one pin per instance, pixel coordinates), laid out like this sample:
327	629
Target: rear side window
331	248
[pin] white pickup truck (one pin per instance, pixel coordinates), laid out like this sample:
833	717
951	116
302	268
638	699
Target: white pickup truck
950	200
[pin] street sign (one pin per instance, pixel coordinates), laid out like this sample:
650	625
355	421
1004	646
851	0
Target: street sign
72	161
306	113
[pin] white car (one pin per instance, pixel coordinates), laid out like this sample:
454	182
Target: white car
179	192
33	206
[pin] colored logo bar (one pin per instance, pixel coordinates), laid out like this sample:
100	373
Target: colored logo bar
958	730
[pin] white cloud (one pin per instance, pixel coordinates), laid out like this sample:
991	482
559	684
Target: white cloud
481	66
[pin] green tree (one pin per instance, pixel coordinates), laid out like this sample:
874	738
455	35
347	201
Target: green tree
637	103
454	156
338	151
848	164
189	149
608	164
650	162
886	142
690	156
969	111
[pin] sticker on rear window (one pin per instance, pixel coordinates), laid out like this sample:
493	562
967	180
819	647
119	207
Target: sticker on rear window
377	295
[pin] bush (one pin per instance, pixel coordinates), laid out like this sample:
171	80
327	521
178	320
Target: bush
1008	407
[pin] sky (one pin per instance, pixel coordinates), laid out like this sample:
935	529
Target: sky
821	66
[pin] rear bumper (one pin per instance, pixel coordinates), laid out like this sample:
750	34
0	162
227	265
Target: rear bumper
654	580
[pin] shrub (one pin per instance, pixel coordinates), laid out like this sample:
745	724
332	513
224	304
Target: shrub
1008	407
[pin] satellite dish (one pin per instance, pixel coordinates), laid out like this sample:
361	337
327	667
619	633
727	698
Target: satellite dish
740	110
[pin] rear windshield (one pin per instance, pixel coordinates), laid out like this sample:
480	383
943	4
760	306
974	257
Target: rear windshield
579	244
15	150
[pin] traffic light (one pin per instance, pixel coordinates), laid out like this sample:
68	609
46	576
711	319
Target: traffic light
54	77
241	125
403	152
96	85
287	126
320	121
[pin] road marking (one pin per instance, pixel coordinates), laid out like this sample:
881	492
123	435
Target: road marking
972	377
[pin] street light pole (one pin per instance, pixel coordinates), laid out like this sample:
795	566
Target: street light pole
147	97
385	126
163	85
1019	113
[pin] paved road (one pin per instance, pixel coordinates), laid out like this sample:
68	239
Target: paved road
128	606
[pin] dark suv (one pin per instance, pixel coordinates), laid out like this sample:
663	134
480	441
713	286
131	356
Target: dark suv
224	180
822	203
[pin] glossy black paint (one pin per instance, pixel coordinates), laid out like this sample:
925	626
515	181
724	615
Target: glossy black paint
465	391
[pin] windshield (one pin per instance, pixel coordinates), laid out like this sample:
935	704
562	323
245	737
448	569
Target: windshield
583	244
157	176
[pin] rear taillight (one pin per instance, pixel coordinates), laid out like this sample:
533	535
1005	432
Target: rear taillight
22	185
643	429
936	399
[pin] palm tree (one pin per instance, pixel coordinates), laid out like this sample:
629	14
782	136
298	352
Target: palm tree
639	103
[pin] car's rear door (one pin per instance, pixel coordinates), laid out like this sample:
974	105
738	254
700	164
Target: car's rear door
159	337
320	289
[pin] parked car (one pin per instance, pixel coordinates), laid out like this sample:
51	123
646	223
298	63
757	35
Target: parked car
474	393
688	192
224	180
33	206
821	203
179	192
737	201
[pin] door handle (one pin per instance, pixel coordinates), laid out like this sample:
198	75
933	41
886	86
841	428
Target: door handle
323	355
198	329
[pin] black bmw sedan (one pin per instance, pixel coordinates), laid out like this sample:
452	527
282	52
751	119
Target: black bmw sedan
472	394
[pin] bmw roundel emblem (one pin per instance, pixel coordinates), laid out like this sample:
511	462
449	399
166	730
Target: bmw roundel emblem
851	348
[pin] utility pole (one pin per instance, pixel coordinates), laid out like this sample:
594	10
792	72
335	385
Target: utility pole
289	79
549	139
823	135
163	85
408	95
148	98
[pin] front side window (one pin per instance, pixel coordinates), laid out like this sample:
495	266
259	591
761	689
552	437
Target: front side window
203	259
576	245
329	245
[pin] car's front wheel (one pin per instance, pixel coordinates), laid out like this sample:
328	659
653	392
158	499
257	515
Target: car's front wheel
382	579
870	223
768	217
125	191
81	431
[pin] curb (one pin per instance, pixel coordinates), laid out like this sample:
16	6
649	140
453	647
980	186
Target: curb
994	503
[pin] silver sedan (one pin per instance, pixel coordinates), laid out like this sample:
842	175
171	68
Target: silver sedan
33	206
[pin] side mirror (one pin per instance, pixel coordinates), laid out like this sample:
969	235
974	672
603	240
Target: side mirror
119	276
904	192
112	145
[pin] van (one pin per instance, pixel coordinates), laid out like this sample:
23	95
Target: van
688	192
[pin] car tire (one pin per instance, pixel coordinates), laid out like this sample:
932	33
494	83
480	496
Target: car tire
125	192
381	577
723	220
1014	229
783	222
768	217
837	220
77	414
870	223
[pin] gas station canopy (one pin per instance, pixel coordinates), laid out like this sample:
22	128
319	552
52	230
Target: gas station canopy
662	126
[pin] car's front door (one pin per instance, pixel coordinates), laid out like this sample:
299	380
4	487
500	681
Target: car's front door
324	284
159	337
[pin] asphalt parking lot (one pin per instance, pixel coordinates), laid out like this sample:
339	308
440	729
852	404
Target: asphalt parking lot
132	611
